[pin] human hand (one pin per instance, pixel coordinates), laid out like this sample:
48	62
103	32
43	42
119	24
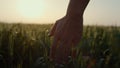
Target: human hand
66	34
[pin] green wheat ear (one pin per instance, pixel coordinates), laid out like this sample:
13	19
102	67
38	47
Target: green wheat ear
15	43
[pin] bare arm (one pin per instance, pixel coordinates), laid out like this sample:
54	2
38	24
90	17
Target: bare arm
67	31
76	7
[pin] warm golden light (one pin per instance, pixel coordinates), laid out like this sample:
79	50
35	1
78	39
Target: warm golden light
30	8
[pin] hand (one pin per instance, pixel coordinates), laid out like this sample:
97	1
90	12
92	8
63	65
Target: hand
67	33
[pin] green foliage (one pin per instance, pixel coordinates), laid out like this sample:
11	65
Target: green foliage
28	46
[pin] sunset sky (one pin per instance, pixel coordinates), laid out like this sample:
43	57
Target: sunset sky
100	12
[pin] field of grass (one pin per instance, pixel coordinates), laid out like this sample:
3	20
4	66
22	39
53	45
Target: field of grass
28	46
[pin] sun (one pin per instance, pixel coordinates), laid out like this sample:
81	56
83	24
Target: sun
31	8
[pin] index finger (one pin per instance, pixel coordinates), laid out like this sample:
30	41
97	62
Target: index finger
53	48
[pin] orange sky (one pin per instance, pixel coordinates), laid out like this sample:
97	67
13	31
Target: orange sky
103	12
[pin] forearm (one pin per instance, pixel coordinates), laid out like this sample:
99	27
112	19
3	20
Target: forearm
76	7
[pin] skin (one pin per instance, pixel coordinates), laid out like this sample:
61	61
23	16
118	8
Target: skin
67	32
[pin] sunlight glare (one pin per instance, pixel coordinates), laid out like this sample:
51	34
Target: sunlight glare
31	8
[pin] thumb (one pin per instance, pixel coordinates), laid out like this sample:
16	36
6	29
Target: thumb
51	33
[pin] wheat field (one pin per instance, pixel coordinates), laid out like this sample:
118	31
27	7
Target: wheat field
28	46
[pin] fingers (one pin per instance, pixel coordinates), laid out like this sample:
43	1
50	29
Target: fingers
75	42
62	52
62	49
53	30
53	48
